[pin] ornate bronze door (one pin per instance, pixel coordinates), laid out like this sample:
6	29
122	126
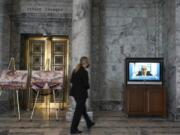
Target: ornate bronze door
48	53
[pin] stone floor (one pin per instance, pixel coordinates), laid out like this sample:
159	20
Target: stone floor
107	123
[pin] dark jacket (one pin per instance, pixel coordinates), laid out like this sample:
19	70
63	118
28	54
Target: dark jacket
80	84
147	74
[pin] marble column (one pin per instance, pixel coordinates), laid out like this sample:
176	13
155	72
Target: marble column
4	32
177	52
172	57
4	47
81	41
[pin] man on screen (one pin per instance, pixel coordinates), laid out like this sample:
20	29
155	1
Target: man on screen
144	71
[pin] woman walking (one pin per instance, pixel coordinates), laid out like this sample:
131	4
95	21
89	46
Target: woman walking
79	90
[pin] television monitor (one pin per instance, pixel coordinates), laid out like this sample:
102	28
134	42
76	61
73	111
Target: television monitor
144	71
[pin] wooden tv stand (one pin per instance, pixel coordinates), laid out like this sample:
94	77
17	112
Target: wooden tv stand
145	100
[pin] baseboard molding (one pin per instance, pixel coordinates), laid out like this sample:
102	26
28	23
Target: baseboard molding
106	105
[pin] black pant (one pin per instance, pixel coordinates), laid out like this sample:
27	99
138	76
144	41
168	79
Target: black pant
79	111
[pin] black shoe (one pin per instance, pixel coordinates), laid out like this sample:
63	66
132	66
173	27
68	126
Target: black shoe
76	132
90	125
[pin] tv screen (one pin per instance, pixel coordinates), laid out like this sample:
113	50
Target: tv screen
144	71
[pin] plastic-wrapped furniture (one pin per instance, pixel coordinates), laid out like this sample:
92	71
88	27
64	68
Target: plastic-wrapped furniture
46	80
14	80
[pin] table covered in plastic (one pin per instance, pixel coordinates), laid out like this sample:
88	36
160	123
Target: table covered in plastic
13	80
47	80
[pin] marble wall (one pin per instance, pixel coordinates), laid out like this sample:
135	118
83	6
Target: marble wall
28	17
41	17
177	13
171	32
177	40
121	28
5	9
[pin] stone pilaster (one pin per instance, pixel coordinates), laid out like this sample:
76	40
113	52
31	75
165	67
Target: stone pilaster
172	57
81	40
4	32
4	47
177	40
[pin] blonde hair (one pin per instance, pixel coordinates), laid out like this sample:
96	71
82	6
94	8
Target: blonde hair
83	59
